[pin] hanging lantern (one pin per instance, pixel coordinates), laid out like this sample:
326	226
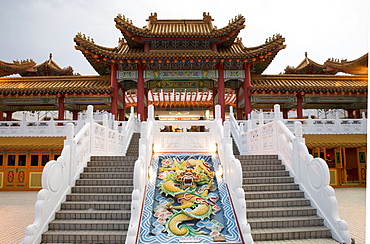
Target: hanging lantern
1	95
58	95
176	61
66	95
16	95
279	93
168	61
207	60
302	93
86	51
214	60
271	92
23	95
47	94
136	61
321	93
191	61
129	61
263	92
121	61
82	94
230	60
39	95
245	60
95	56
357	93
287	93
113	60
74	94
105	59
254	59
350	93
294	93
9	95
199	60
160	61
313	93
222	60
90	94
328	93
143	61
269	53
151	61
335	93
255	93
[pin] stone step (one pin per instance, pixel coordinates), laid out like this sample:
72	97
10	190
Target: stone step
94	214
81	224
259	174
275	234
299	241
91	197
256	157
285	222
271	187
274	194
110	169
110	164
102	189
105	175
278	202
259	167
96	205
260	162
269	180
112	158
84	236
280	212
104	182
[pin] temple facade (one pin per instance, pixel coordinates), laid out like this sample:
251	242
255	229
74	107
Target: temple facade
182	66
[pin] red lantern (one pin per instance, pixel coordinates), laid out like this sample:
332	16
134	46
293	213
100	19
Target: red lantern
328	93
287	93
23	95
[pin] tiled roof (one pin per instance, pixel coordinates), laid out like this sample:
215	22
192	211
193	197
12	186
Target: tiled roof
15	67
336	140
34	143
331	67
55	85
48	68
358	66
261	55
178	27
309	83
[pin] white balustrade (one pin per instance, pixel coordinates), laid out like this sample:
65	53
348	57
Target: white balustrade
60	175
312	174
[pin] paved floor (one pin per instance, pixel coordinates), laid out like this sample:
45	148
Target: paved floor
17	212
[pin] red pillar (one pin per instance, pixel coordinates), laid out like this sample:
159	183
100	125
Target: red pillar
299	106
1	116
239	112
221	89
350	113
75	114
246	87
140	91
9	115
61	108
357	114
121	112
114	85
285	113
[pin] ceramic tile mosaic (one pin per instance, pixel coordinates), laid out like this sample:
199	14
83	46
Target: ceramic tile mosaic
187	202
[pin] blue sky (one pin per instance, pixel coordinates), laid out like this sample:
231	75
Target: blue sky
323	28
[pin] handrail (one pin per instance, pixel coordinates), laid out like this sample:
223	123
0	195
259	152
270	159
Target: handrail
312	174
59	176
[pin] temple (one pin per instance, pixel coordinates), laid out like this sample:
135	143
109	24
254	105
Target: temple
184	76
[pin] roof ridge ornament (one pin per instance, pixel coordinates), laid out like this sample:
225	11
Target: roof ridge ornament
207	17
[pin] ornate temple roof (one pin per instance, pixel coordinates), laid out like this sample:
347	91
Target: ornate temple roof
309	83
180	43
356	67
331	67
48	68
16	67
179	28
54	85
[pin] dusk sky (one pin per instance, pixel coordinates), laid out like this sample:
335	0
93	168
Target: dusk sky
322	28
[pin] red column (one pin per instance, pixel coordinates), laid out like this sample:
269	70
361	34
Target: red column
358	114
75	114
239	112
140	91
9	115
121	112
285	113
1	116
61	108
114	85
246	87
221	89
299	106
350	113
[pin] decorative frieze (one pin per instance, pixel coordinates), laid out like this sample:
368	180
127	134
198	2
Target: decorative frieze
180	74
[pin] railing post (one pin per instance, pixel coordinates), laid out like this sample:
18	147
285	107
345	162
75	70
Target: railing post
363	123
337	123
